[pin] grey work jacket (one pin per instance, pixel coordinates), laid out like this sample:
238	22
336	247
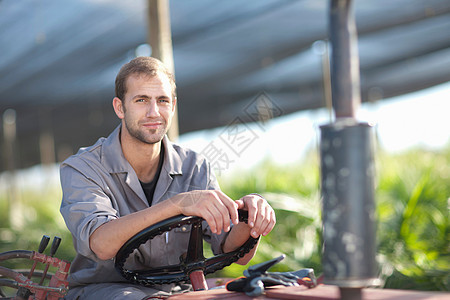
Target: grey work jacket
100	185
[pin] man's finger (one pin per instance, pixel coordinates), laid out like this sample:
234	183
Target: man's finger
209	218
232	208
252	209
270	221
220	214
224	220
261	218
240	204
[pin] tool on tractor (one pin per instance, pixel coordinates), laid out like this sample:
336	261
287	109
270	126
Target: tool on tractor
27	289
256	278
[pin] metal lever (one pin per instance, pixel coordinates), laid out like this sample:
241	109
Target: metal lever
55	245
22	292
44	242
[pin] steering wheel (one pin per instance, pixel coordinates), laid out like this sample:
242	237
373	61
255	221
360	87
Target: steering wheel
189	263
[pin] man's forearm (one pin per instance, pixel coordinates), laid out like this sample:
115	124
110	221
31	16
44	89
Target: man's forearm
213	206
238	235
107	239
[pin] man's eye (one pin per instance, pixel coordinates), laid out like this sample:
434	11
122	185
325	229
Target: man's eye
164	100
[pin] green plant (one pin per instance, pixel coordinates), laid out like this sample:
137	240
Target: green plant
412	198
293	192
413	232
39	212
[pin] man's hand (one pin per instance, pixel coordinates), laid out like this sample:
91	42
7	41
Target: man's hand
261	217
261	220
213	206
217	209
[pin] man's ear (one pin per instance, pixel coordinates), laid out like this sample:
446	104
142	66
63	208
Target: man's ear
118	107
174	104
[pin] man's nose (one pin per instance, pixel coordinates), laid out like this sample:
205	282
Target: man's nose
153	109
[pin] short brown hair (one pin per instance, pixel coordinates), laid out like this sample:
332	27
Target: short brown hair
142	65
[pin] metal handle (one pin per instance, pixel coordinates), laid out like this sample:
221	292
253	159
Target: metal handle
44	242
55	245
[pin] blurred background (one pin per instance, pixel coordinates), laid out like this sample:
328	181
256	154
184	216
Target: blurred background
253	88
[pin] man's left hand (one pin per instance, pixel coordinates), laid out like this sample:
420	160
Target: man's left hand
261	217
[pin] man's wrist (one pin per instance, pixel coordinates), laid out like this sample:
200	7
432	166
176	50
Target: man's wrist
256	194
237	236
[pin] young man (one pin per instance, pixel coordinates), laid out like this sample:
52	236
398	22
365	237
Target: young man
135	178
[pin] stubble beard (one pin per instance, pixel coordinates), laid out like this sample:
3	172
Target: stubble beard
147	136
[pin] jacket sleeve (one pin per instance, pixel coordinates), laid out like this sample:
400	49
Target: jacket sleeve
84	206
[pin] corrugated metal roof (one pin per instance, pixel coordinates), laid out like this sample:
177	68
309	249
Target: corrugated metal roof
58	59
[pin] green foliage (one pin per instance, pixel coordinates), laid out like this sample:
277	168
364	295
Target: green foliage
413	231
412	198
295	197
39	214
413	216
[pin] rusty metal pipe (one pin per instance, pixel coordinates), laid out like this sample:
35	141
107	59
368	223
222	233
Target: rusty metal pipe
345	83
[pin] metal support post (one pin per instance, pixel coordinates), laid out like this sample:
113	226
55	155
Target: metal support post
348	175
347	168
344	59
160	39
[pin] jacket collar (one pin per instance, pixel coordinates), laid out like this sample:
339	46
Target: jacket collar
114	160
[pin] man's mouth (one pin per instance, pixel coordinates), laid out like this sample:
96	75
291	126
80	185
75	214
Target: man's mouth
152	125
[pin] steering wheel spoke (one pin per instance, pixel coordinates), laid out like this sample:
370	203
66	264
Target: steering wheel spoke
195	247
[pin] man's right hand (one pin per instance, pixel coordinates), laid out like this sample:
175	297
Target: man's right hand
213	206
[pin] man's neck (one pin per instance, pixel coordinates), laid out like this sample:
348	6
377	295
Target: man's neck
144	158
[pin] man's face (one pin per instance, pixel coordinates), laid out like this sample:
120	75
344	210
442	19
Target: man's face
148	107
